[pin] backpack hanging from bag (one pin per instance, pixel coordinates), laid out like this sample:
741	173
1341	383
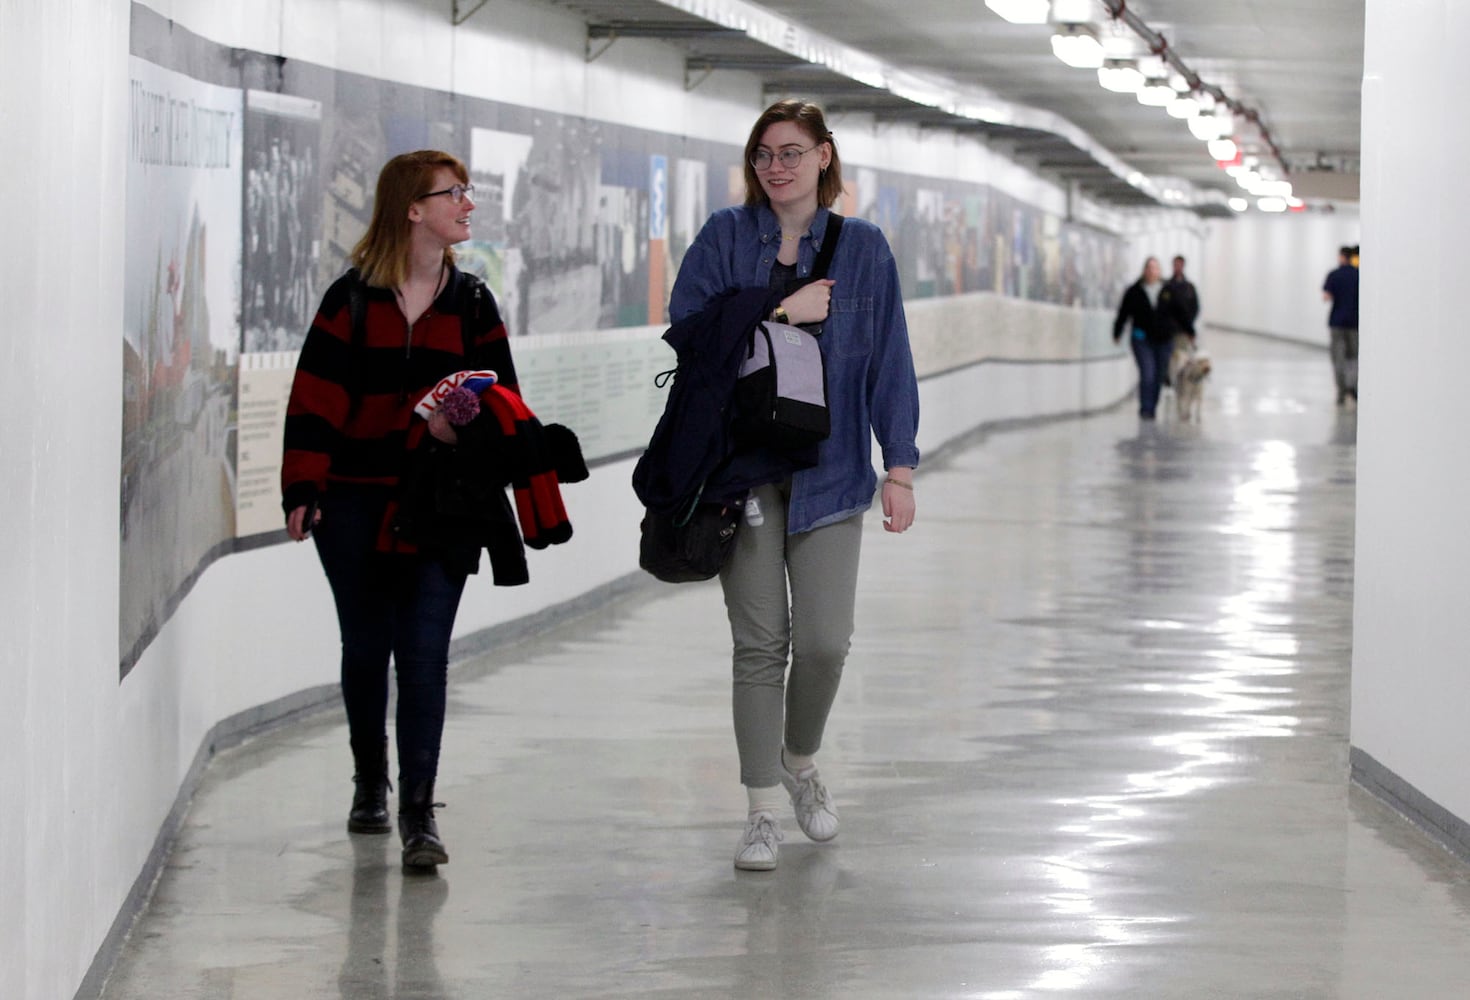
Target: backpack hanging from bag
781	391
690	545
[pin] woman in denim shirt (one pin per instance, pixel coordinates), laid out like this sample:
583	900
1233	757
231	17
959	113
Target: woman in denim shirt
809	528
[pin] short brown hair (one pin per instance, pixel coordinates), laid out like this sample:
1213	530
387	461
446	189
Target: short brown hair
381	256
808	117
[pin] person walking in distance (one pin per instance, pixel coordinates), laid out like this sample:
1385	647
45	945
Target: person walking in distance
1145	314
1341	289
1184	301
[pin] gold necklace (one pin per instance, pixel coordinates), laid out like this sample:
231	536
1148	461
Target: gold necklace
787	238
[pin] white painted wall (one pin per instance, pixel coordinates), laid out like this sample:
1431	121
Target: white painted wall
59	464
1264	273
1163	234
1411	685
93	766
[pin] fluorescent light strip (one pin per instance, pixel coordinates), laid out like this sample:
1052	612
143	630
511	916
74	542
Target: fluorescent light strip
1022	11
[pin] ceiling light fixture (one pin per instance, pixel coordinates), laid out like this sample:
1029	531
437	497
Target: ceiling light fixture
1272	204
1071	11
1022	11
1157	44
1152	66
1156	93
1183	106
1121	76
1239	204
1077	45
1223	149
1205	127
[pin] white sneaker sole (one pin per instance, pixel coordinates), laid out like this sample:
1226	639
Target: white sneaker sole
756	865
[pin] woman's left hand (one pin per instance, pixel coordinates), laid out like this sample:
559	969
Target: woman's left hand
442	429
898	500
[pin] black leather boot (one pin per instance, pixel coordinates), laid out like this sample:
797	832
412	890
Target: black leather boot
370	799
422	848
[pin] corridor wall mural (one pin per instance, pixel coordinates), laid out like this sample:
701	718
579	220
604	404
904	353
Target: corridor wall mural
251	177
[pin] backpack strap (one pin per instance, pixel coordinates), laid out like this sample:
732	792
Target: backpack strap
357	307
476	313
357	328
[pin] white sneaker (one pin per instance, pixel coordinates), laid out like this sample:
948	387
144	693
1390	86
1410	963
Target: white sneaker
758	845
816	813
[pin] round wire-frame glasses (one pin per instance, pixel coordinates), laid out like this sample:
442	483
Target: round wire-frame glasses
789	157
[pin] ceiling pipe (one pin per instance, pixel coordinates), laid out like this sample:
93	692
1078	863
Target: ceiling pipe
1159	46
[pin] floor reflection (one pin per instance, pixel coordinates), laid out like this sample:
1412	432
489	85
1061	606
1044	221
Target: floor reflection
1235	692
370	971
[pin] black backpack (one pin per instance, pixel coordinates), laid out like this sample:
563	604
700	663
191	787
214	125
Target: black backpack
688	545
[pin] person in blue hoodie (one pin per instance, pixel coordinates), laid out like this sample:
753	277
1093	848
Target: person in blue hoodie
791	583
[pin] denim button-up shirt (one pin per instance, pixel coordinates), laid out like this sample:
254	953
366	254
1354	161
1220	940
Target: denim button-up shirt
871	387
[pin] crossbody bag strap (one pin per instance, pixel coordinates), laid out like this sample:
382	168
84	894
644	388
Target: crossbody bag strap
822	263
829	246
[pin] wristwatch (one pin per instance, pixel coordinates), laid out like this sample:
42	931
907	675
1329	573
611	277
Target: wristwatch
779	315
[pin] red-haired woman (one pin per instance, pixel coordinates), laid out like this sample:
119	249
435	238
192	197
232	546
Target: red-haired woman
386	333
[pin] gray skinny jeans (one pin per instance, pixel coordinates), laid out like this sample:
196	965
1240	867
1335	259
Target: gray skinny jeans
812	626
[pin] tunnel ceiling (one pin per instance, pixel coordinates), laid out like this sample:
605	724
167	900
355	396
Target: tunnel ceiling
1298	63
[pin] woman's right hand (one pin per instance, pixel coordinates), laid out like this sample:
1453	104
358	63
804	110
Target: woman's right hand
296	525
808	304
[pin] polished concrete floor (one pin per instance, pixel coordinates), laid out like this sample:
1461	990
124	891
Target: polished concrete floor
1092	742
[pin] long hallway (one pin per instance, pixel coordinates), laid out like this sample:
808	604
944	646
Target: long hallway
1091	742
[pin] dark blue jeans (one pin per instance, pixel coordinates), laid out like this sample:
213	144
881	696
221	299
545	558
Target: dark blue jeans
401	606
1153	365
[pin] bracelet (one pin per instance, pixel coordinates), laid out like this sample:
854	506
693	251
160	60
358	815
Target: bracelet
900	483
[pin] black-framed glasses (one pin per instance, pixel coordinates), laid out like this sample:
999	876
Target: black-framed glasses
456	194
762	159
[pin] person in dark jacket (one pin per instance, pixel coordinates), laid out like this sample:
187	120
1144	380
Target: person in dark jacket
1184	300
1146	315
1341	289
350	433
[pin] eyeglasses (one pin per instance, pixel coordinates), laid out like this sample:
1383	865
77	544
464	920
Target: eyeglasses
761	159
457	194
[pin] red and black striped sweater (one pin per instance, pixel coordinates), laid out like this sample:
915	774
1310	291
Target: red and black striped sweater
350	417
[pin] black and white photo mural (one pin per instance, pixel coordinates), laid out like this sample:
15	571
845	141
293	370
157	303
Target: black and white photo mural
181	341
251	177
